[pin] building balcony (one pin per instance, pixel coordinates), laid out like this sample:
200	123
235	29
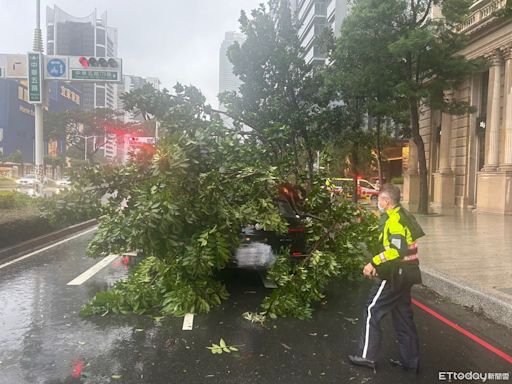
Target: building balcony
331	10
482	12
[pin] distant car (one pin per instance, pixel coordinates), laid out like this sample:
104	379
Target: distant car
345	186
28	180
64	182
368	189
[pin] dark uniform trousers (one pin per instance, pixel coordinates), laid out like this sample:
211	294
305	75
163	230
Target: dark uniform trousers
390	296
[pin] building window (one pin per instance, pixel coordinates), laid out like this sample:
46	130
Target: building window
100	51
22	93
100	97
482	120
100	36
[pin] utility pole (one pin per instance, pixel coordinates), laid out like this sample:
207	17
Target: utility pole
39	150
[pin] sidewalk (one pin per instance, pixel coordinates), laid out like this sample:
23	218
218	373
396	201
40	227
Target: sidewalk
467	257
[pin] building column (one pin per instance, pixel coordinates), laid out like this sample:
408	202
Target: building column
444	178
507	118
446	134
493	112
411	189
494	194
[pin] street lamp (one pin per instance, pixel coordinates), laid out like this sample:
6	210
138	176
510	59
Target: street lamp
38	108
85	143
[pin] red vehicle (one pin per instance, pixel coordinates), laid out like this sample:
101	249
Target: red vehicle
345	186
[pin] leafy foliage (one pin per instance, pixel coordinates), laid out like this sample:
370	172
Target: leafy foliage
14	157
12	200
184	207
75	127
222	347
79	203
337	238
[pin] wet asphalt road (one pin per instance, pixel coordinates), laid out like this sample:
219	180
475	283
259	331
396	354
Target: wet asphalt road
43	340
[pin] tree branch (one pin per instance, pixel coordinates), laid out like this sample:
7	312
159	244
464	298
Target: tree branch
427	11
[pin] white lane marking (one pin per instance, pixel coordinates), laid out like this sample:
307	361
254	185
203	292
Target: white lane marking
45	248
188	322
93	270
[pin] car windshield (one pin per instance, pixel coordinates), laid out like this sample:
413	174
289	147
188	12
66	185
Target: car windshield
366	184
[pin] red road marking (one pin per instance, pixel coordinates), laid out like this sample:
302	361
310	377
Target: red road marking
457	327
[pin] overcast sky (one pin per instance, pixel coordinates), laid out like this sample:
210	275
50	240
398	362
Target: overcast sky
174	40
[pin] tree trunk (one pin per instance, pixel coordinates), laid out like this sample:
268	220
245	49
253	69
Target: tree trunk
379	156
296	170
311	158
422	161
355	167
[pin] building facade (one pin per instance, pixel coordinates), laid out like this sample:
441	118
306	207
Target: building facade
312	17
337	10
17	117
88	36
227	80
469	157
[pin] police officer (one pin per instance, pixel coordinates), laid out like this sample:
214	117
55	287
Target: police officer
395	269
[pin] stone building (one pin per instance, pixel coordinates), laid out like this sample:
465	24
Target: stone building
469	157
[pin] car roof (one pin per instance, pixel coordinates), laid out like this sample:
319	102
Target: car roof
349	179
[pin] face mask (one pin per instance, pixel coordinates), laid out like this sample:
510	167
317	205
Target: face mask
381	208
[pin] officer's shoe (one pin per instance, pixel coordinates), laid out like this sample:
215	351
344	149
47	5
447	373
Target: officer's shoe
358	360
398	364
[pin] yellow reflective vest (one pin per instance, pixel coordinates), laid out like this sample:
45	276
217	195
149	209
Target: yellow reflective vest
396	240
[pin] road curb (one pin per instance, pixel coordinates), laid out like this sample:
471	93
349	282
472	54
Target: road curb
460	293
39	242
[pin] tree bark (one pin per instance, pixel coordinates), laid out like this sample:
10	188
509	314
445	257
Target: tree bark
355	168
379	156
422	161
311	159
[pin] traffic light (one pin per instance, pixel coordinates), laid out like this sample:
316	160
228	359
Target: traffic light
98	62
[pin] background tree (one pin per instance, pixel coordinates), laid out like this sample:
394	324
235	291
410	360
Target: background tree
280	94
14	157
73	126
431	65
417	57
